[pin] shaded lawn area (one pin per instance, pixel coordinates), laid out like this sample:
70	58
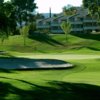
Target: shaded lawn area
69	84
57	90
88	36
44	38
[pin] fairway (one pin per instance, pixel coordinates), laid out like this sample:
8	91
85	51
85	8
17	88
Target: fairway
78	82
60	56
49	55
75	83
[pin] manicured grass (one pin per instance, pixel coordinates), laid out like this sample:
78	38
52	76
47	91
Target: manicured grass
90	72
51	44
80	82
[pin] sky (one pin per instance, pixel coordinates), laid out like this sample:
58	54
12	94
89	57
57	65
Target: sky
55	5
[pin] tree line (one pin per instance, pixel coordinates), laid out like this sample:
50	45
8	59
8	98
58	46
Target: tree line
12	15
14	12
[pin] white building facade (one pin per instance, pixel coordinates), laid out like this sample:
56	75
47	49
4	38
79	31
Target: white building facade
81	22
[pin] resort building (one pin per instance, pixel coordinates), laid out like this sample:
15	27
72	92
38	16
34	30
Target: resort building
81	22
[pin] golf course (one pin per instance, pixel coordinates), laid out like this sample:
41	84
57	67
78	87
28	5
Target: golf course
80	82
49	50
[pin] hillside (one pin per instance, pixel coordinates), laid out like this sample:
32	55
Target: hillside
40	43
78	83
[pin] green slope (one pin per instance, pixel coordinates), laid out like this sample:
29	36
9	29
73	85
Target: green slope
51	44
79	83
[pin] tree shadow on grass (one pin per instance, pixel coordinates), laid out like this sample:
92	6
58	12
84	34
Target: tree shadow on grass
88	36
42	37
87	47
92	48
57	90
5	70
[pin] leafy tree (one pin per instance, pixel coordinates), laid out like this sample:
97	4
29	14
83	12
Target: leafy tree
39	16
32	27
66	27
55	15
88	3
24	10
7	22
15	12
69	10
24	32
3	27
93	6
24	13
1	1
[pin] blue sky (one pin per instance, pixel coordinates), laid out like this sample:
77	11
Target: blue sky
56	5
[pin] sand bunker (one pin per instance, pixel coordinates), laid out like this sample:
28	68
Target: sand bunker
25	63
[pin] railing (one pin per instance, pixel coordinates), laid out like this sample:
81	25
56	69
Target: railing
43	26
92	27
57	31
77	29
55	24
77	22
90	20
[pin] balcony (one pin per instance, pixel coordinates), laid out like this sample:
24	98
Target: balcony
55	24
57	31
77	22
77	29
90	20
91	28
43	26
